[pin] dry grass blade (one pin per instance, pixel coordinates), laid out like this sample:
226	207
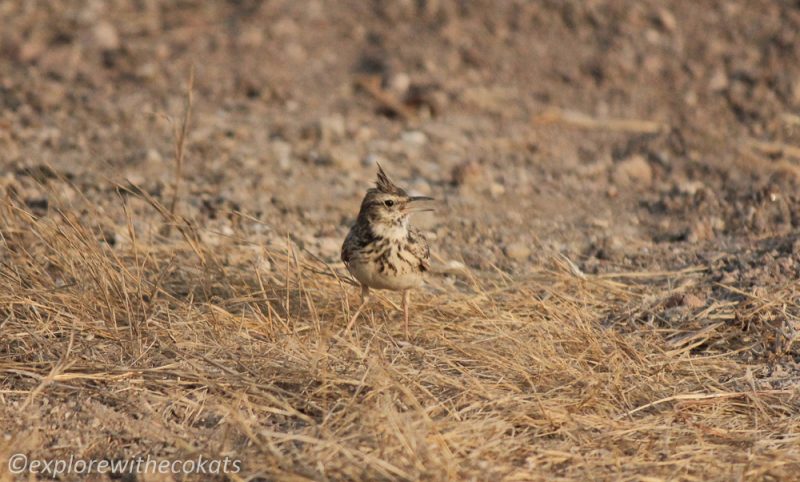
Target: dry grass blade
180	145
584	121
371	85
774	148
708	396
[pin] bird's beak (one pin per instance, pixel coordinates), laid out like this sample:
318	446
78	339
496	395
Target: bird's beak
418	204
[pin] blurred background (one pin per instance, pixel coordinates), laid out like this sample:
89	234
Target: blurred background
615	132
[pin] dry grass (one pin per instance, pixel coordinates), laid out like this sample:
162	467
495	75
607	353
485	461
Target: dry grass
171	346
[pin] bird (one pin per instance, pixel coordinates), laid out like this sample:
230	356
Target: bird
382	250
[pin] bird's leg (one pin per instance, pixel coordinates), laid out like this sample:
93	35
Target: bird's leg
364	300
406	299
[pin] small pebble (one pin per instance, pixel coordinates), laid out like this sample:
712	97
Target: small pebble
106	36
414	138
633	171
518	251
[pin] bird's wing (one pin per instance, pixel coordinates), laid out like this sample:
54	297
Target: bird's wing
355	240
419	246
347	248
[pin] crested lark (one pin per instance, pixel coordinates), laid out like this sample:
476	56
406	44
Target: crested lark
381	250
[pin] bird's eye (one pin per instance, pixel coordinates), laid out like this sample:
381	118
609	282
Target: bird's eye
388	203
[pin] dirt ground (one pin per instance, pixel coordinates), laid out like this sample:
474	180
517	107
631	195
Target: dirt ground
614	292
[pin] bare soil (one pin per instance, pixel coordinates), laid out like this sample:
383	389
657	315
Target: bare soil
616	254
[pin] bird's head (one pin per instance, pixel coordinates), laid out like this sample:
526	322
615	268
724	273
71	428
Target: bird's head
386	207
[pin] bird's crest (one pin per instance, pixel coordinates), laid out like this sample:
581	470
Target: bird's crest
384	184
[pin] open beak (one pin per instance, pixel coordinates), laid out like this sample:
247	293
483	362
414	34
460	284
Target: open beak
417	204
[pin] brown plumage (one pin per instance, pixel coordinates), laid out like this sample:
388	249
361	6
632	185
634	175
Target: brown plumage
382	250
